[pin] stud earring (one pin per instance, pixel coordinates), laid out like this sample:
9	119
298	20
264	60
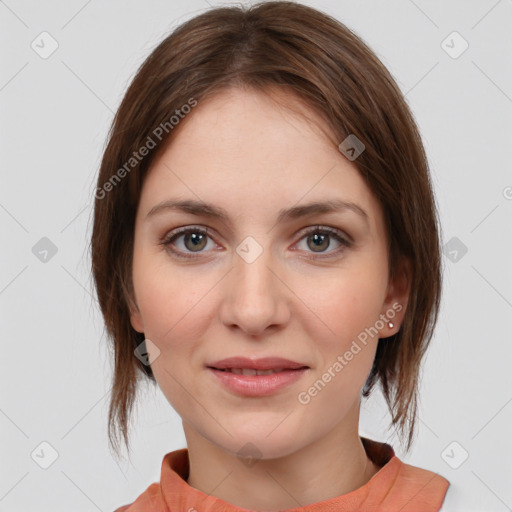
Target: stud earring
391	325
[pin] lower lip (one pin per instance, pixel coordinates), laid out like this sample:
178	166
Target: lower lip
258	385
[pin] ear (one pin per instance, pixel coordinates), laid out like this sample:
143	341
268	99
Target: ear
397	298
135	317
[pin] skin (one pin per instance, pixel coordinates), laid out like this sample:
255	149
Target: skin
243	152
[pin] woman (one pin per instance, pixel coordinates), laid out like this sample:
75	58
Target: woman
266	249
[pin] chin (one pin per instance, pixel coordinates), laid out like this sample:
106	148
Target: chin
262	446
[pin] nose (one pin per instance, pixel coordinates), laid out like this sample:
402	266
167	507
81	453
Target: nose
255	298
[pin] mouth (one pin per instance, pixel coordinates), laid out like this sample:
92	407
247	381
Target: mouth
252	371
257	377
244	365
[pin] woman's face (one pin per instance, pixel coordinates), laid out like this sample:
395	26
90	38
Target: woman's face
261	283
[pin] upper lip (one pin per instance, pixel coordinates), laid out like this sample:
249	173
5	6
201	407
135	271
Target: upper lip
265	363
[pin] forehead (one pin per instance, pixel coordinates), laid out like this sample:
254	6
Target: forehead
244	151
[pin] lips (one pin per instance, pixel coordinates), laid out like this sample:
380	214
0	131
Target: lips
257	377
251	382
262	366
252	371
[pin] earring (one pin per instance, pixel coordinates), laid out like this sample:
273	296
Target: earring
391	325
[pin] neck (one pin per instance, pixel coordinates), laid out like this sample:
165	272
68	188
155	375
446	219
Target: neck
324	469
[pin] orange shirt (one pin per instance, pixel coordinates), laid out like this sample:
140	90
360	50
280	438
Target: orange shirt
395	487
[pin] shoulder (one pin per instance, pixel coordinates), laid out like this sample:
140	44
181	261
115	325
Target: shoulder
150	500
423	480
416	489
173	473
422	476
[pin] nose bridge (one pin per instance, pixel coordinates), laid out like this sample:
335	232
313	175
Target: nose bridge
255	299
253	261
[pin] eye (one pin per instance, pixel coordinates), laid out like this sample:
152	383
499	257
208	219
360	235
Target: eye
318	240
194	239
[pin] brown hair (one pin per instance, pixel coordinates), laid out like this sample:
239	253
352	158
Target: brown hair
296	48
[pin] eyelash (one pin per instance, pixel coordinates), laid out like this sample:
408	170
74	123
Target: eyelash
323	230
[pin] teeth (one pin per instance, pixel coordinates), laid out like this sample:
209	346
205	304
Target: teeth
250	371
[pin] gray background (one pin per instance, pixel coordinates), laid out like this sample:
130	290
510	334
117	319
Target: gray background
56	368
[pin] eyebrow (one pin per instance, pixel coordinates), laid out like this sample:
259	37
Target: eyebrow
203	209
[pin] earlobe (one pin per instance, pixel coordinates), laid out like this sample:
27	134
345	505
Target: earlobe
136	321
397	298
136	318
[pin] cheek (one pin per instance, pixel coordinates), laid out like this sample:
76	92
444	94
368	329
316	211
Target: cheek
169	300
174	310
346	302
346	307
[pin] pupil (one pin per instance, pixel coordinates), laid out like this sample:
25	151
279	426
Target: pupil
321	239
196	240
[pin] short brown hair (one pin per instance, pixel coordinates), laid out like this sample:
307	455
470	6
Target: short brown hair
298	49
